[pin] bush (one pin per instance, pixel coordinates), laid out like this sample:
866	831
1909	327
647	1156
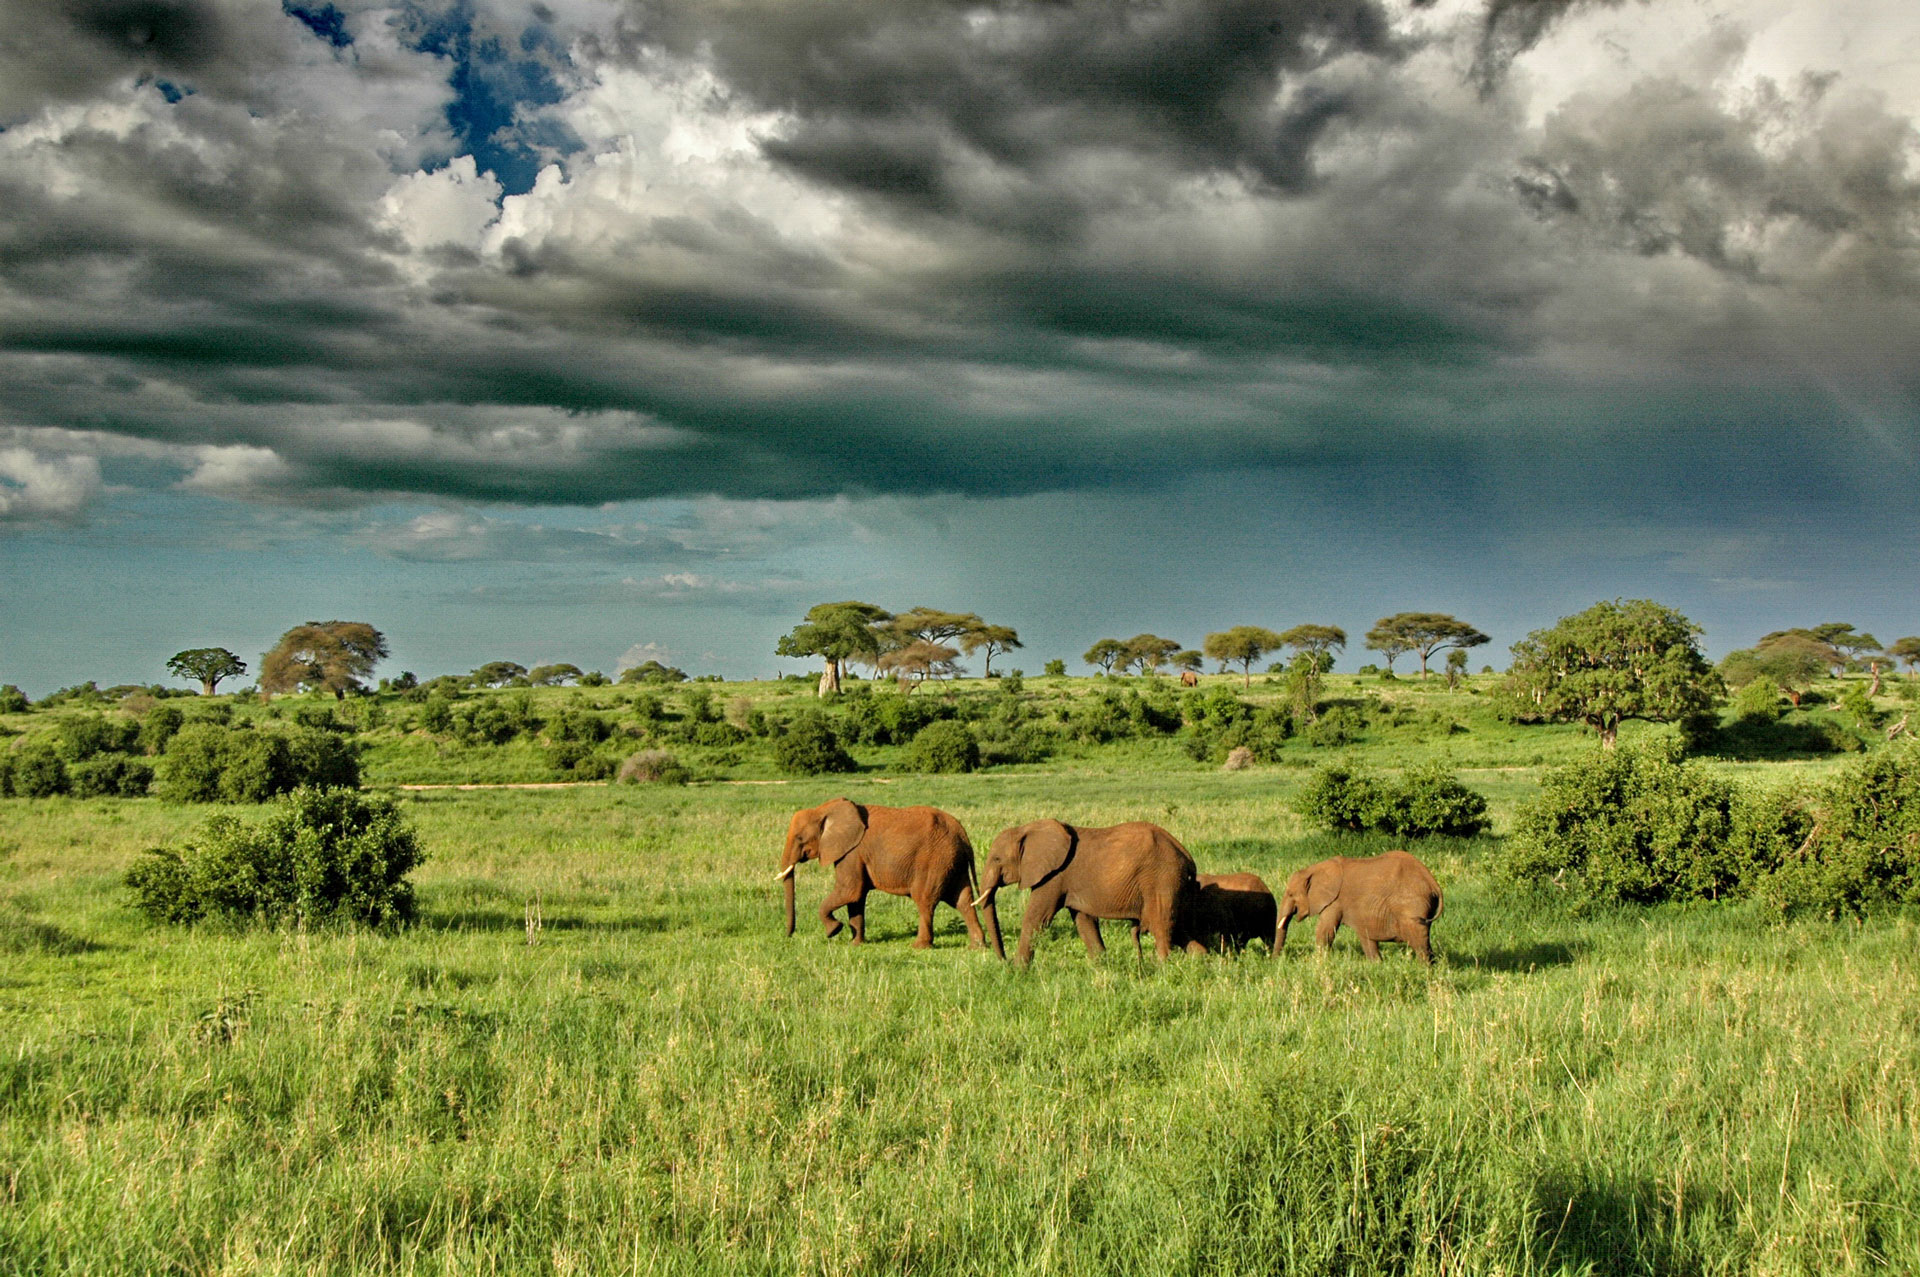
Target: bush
159	727
1055	669
436	713
810	748
320	855
1111	715
1865	849
110	776
13	700
714	735
207	763
34	772
577	760
1758	700
945	747
1426	802
653	767
890	720
80	738
1340	725
1634	826
578	725
495	720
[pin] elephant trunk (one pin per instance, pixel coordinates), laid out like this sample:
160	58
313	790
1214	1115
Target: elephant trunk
787	882
989	913
1280	931
788	863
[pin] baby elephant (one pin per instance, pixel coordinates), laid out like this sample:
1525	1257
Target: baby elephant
1227	911
1386	897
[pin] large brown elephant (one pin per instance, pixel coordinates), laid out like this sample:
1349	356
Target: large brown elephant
918	852
1386	897
1228	911
1136	871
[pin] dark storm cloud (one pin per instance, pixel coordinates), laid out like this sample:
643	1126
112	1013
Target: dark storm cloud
1511	27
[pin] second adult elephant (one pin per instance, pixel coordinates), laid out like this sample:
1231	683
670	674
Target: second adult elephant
920	852
1136	871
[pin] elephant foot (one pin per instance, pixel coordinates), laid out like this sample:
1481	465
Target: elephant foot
923	944
833	928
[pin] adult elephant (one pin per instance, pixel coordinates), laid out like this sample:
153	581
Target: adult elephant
918	852
1135	871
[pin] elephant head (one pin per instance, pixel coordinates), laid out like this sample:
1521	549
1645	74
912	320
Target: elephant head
1027	854
826	833
1308	891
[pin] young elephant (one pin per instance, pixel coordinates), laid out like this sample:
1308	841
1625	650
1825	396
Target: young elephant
919	852
1230	910
1386	897
1136	871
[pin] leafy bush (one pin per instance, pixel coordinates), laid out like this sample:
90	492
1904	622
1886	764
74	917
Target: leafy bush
1340	725
33	772
809	747
890	720
1425	802
579	725
1055	669
1111	715
81	737
655	767
110	776
1758	700
320	855
1864	850
161	722
495	720
945	747
13	700
714	735
1632	826
436	713
207	763
577	760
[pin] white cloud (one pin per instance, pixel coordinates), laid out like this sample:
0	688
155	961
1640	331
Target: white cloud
39	488
449	207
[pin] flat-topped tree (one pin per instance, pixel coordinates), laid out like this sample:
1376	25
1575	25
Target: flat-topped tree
1422	632
917	662
1906	651
554	675
1106	654
1612	662
1319	640
497	673
994	640
207	665
930	625
1242	645
334	655
1147	652
837	633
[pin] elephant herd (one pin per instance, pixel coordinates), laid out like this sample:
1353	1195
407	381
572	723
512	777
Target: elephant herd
1137	871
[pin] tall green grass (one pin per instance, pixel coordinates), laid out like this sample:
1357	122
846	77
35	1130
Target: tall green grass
662	1082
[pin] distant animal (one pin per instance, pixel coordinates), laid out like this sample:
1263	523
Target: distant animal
919	852
1136	871
1227	911
1189	679
1386	897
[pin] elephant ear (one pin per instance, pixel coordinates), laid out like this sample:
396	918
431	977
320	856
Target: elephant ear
1044	848
1322	885
843	825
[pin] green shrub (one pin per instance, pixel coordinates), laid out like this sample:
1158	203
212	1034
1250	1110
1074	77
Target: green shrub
945	747
1426	802
1340	725
809	747
1634	826
110	776
890	720
320	855
159	727
1757	701
495	720
1055	669
35	771
80	738
13	700
436	713
653	767
1864	850
578	760
581	725
1111	715
207	763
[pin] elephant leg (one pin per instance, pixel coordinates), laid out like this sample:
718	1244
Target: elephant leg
1041	906
925	903
841	893
1328	924
961	899
1089	928
1370	947
1137	951
1418	937
857	915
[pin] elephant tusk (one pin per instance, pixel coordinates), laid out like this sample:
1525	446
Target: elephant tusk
785	873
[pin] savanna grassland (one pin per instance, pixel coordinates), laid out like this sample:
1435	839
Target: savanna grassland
596	1052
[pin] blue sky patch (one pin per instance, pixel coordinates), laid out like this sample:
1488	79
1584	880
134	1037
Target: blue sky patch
323	20
492	82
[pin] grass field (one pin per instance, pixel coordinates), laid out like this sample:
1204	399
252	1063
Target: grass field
662	1082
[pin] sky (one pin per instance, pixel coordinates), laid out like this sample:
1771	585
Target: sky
607	330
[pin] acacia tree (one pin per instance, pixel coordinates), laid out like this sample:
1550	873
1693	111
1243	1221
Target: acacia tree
1422	632
837	633
334	655
917	662
498	673
1316	639
1793	661
207	665
1613	662
1147	652
1187	659
1906	651
554	675
1106	654
994	640
1242	645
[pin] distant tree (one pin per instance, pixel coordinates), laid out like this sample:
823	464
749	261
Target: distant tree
1317	639
917	662
1148	652
1242	645
837	633
206	665
594	678
1105	654
1422	632
554	675
994	640
1187	659
1793	660
13	700
652	672
1456	667
497	673
1906	651
1056	668
930	625
1613	662
334	655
